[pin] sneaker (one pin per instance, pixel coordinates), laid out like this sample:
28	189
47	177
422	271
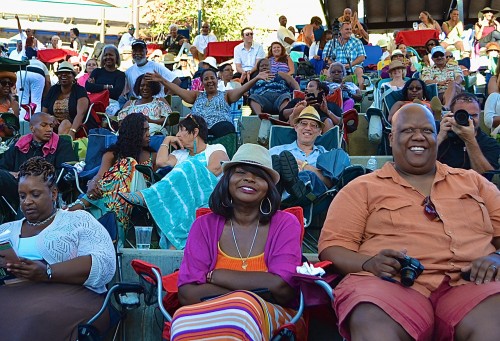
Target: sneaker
276	163
290	175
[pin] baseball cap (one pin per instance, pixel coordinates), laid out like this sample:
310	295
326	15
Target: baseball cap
436	49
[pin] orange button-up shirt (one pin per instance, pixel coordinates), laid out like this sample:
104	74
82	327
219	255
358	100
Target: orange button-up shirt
383	211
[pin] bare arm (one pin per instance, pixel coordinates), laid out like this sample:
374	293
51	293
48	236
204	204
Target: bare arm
239	68
291	66
289	40
18	24
234	95
292	83
82	107
358	60
493	85
187	95
224	280
164	158
383	264
446	28
214	164
73	271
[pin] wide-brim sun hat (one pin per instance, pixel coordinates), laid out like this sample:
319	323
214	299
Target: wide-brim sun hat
9	75
488	9
492	46
311	114
210	61
254	155
397	52
169	59
396	64
66	67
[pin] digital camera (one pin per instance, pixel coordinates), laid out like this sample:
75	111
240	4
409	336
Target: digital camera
411	268
462	118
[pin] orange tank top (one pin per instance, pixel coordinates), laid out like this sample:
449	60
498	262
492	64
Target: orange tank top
255	263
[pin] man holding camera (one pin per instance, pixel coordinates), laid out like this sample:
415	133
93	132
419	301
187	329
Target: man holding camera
461	142
416	211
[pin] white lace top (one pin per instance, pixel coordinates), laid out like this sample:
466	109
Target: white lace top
74	234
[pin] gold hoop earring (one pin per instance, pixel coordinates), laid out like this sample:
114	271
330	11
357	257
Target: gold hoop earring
270	207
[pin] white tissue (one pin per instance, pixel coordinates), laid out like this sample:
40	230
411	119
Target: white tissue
307	269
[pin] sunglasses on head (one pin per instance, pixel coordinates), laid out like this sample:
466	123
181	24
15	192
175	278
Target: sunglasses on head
7	83
193	119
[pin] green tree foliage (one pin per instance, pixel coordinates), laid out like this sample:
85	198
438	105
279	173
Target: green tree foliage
226	17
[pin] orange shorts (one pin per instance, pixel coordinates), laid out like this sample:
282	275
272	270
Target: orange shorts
433	318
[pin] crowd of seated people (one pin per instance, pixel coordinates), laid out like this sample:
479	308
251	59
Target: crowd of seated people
247	240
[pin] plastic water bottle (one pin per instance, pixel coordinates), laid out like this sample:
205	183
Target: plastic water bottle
80	166
372	163
415	26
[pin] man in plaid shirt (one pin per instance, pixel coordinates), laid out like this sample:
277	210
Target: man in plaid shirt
347	50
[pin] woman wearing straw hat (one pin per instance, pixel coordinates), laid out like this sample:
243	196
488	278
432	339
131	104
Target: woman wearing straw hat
245	244
68	102
487	27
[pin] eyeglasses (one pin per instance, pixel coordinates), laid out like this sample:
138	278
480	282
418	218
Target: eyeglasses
305	124
448	57
430	210
7	83
248	34
193	119
437	56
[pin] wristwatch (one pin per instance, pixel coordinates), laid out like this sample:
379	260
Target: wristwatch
73	130
49	272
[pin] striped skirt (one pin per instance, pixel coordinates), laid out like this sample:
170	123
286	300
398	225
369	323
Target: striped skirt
239	315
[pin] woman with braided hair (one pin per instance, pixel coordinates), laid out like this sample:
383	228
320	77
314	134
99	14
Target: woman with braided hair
65	261
118	174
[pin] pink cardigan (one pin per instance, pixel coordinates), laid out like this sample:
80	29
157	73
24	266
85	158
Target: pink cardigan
282	252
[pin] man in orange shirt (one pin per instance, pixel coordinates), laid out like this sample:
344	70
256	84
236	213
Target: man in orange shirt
446	218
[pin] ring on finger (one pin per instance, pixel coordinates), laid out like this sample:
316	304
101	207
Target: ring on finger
493	266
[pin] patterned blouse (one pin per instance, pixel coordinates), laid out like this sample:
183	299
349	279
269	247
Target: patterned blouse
449	72
154	110
213	110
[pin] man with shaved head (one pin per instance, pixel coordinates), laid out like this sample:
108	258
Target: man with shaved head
446	219
41	142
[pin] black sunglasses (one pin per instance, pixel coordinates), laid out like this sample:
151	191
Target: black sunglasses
249	34
430	210
7	83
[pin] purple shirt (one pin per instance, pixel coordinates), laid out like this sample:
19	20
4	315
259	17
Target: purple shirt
282	252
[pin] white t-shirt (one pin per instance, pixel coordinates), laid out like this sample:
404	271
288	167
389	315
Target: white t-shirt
201	41
182	154
135	71
16	55
126	40
283	33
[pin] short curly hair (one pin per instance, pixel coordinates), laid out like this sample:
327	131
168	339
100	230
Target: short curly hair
37	166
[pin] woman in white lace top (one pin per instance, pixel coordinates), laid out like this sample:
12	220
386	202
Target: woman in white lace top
65	261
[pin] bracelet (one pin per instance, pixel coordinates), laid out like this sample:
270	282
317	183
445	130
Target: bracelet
73	130
165	145
209	276
77	202
48	270
366	261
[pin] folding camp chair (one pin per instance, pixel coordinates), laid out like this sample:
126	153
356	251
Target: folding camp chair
120	298
150	277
